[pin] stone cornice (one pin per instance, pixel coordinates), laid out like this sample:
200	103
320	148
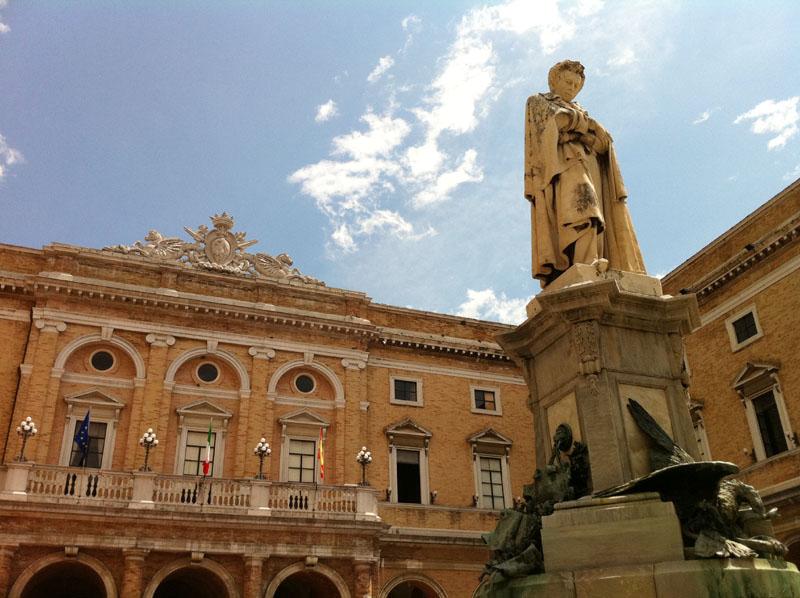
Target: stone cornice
67	284
441	343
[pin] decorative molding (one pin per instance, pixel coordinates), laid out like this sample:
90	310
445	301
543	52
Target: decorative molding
211	346
204	391
308	357
75	378
261	352
309	403
233	361
25	369
218	250
106	332
115	341
203	335
408	366
354	364
364	405
440	343
18	315
47	325
160	340
56	372
330	376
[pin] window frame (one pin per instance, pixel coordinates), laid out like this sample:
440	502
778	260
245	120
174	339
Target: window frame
395	401
752	383
479	481
735	344
214	460
195	417
315	471
490	444
303	425
498	409
104	409
407	435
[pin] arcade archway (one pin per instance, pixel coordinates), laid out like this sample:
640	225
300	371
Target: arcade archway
56	576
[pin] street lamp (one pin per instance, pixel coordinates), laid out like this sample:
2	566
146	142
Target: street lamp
262	450
364	457
26	429
148	441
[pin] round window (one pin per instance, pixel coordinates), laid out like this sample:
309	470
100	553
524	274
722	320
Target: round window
304	383
208	372
102	361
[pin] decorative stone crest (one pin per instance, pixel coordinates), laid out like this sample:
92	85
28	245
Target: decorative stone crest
218	249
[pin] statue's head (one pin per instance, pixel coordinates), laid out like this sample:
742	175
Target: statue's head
566	79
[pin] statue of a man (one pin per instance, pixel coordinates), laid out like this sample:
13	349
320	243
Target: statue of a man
572	179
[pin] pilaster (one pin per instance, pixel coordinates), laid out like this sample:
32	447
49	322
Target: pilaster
251	586
153	394
255	414
363	576
38	402
132	572
351	430
7	553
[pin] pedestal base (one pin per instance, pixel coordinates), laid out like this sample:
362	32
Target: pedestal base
724	578
610	532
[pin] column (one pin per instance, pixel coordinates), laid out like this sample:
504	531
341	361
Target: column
7	552
363	575
132	573
253	566
153	395
354	434
39	402
255	414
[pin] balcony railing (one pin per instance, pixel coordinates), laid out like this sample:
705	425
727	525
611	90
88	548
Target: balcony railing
146	490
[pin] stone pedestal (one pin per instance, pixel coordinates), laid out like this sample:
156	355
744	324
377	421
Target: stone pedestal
610	532
594	340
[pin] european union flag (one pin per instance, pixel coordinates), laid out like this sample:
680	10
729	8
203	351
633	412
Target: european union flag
82	439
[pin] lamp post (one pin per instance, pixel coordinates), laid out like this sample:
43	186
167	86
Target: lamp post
148	441
364	457
261	451
26	429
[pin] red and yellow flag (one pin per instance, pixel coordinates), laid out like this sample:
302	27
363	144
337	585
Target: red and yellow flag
321	457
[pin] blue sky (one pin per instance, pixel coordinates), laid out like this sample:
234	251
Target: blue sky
380	143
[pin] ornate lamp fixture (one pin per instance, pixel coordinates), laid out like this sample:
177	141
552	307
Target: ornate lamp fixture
261	451
26	429
148	441
364	457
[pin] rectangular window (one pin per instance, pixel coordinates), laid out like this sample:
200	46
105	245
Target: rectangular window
408	477
405	390
484	399
492	483
769	424
302	460
195	453
97	443
745	327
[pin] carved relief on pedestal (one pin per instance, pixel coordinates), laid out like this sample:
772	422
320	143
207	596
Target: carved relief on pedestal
218	249
586	343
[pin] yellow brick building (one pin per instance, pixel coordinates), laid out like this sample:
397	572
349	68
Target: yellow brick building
203	341
744	360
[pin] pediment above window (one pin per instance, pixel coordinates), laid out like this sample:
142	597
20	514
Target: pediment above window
755	378
100	403
202	413
304	418
488	441
408	433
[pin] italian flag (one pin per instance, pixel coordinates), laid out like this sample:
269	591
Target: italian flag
207	460
321	457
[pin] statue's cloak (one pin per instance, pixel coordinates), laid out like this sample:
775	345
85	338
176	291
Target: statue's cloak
545	161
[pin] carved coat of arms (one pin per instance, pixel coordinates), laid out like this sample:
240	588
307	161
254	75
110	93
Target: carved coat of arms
218	249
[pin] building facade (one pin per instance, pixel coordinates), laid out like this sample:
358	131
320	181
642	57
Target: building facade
214	349
744	359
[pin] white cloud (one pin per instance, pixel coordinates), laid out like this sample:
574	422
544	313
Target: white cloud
373	172
486	305
326	111
774	117
793	174
8	157
704	116
384	64
623	57
3	27
466	172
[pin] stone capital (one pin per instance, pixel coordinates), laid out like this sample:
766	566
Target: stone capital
47	325
135	554
354	364
160	340
261	352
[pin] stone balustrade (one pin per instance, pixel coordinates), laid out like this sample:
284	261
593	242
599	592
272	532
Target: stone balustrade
147	490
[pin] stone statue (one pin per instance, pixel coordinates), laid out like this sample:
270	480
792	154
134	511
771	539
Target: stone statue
573	181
